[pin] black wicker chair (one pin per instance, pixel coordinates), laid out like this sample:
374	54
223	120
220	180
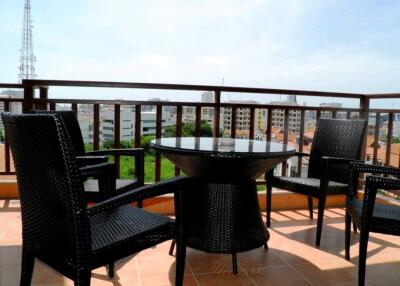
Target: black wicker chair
335	144
366	215
95	157
57	226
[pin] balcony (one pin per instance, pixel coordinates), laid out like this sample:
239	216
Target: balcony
292	253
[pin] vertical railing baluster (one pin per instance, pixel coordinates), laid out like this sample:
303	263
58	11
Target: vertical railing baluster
29	94
364	106
376	138
117	135
348	115
252	114
233	122
138	125
74	107
389	139
198	121
43	94
318	114
269	124
158	135
178	130
6	145
334	114
301	143
217	108
96	126
285	137
52	106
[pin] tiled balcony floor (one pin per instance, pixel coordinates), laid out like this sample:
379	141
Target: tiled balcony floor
291	260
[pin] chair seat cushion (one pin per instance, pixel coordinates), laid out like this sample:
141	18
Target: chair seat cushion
385	218
307	186
125	224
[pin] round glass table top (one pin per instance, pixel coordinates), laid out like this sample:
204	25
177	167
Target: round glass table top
221	146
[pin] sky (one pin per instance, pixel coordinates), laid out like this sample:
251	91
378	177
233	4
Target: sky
341	45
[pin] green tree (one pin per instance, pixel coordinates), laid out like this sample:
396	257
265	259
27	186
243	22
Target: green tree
396	140
1	135
145	144
189	130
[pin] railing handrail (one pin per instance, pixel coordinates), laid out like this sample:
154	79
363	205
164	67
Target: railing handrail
36	83
194	104
11	85
382	95
44	102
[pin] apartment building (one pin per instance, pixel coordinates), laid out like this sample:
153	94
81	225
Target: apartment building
278	117
127	124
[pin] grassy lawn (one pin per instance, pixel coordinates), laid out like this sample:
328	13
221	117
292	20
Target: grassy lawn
167	168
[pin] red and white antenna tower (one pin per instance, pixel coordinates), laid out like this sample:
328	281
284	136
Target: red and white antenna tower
27	59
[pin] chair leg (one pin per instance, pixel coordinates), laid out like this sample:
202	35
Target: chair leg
83	278
269	204
347	236
310	206
180	259
321	209
234	263
28	262
364	234
171	248
111	270
354	227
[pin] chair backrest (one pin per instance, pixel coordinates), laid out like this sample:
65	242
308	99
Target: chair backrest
72	125
54	217
336	138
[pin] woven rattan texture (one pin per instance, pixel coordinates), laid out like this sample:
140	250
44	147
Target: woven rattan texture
335	144
336	138
70	120
307	185
366	214
57	227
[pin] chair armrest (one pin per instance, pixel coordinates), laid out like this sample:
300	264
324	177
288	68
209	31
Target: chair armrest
372	184
338	161
97	169
367	168
302	154
138	153
326	163
105	174
118	152
356	168
91	160
160	188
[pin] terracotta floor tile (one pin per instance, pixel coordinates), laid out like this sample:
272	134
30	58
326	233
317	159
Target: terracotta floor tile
330	274
156	261
282	276
205	263
167	281
260	257
292	258
227	278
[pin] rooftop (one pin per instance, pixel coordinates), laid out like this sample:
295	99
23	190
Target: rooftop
291	255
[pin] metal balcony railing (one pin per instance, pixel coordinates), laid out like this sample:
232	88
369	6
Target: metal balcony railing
43	102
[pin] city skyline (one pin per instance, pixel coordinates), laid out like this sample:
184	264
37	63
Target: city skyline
330	46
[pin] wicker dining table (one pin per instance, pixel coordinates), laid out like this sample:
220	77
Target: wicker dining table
221	213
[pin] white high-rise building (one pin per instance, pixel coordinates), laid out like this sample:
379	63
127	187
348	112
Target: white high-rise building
242	116
278	117
127	124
